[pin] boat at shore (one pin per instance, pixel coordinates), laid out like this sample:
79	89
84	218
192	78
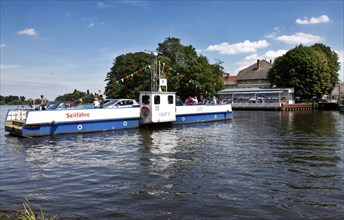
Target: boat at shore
32	123
341	105
154	107
341	108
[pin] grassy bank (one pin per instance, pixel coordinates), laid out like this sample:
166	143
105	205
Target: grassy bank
26	214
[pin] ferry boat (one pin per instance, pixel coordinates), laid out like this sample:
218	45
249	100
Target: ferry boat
163	109
155	107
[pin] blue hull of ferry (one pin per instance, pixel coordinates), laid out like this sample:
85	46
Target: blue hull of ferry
199	118
79	127
98	126
86	126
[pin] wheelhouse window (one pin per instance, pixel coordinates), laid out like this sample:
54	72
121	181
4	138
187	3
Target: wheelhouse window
156	99
170	99
145	99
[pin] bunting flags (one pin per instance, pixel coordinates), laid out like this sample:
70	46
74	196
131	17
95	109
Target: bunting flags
130	76
165	69
163	72
202	89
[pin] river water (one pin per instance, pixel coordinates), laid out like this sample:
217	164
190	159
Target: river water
260	165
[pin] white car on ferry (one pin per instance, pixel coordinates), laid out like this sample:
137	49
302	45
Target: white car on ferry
120	103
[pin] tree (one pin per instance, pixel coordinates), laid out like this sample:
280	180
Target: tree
76	96
188	74
332	62
192	74
310	70
129	75
22	98
12	100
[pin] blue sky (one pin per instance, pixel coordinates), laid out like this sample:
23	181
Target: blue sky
54	47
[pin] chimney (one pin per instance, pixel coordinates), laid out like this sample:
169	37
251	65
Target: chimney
270	61
258	64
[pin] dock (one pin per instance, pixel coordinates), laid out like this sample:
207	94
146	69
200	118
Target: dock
272	106
14	127
328	106
256	106
296	107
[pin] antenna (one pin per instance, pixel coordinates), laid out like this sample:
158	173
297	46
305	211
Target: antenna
154	70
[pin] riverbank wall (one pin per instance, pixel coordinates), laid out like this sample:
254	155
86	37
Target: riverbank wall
272	106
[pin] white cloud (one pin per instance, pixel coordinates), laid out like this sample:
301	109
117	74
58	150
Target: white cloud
273	34
243	47
313	20
341	60
9	66
248	61
28	32
101	5
271	55
270	35
92	21
2	45
299	38
341	57
50	80
252	59
118	3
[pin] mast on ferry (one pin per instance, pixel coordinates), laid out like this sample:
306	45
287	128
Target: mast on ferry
156	80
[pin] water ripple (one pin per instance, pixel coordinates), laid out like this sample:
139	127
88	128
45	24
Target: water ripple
264	165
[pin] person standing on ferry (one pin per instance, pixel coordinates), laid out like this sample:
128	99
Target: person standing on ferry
101	101
44	102
96	103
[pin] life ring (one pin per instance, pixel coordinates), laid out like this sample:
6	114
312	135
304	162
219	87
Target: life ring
145	111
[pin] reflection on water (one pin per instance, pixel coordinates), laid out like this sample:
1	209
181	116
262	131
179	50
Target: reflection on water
161	148
310	123
268	165
313	152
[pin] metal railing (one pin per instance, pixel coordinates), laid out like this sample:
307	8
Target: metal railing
256	105
16	115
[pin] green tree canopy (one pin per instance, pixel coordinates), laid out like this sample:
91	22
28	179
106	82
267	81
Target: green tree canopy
312	71
332	61
120	81
12	100
76	96
187	73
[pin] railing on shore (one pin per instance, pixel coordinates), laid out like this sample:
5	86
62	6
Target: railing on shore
256	106
272	106
296	107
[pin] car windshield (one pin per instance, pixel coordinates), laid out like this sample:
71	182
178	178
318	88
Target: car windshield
54	105
111	102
